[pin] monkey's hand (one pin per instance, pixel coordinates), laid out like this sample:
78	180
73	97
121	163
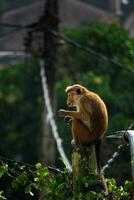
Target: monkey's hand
67	119
62	112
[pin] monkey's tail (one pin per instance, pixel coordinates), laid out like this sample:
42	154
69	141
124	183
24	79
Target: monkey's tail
100	173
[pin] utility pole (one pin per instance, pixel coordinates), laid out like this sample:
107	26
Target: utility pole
49	21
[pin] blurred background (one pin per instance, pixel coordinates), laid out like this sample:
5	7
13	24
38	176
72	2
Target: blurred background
86	42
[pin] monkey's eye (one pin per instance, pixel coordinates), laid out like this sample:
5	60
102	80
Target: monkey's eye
78	91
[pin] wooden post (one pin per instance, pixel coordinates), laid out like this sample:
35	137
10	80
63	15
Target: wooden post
83	163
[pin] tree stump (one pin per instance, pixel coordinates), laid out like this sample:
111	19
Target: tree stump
83	162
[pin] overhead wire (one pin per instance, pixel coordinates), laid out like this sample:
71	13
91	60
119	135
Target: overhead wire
11	25
68	40
16	28
90	51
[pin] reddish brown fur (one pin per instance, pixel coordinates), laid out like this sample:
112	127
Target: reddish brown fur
89	121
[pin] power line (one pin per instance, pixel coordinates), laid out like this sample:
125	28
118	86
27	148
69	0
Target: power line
16	28
11	25
99	56
89	51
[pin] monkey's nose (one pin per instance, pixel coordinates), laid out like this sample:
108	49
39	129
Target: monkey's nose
69	104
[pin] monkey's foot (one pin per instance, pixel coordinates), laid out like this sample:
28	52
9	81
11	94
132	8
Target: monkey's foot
73	142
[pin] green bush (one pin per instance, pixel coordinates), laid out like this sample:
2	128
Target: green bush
37	182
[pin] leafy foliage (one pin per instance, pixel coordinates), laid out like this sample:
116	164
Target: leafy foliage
38	182
20	108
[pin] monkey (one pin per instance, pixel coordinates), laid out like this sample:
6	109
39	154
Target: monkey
89	121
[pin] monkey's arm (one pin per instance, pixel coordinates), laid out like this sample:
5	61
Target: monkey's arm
77	115
74	114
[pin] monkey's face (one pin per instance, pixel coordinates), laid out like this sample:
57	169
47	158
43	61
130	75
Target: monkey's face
74	94
72	98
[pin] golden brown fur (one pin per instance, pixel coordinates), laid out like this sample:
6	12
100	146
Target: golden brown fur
89	121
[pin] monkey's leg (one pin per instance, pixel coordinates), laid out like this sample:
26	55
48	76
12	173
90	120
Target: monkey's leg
81	133
75	140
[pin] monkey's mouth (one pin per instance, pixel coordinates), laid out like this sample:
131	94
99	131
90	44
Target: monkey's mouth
70	105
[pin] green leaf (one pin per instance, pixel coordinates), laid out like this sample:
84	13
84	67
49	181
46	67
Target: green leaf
1	196
21	180
36	179
38	165
3	169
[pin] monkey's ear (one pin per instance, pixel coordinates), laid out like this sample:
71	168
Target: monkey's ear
68	89
78	91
